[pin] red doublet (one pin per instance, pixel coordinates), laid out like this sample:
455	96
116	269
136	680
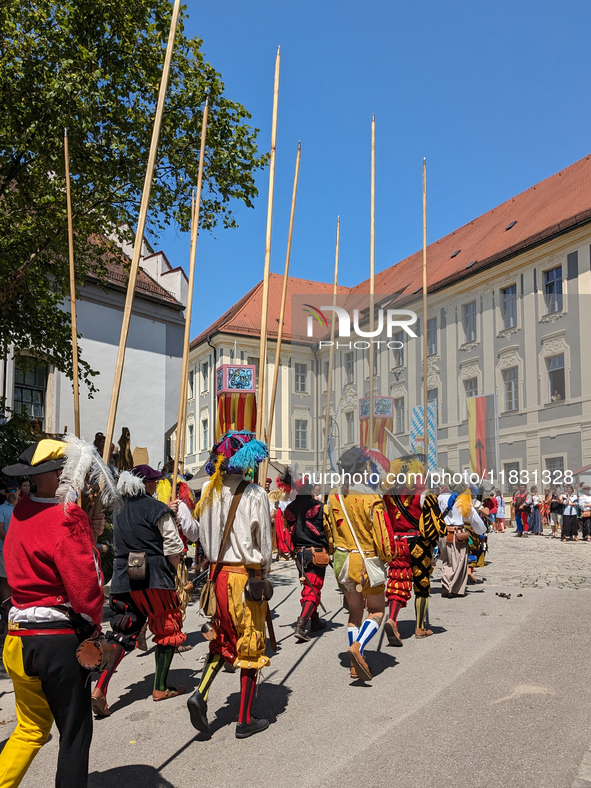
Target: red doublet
400	578
282	535
51	559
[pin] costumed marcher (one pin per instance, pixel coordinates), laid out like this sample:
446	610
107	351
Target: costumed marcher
417	525
305	519
236	537
279	500
363	541
148	549
188	531
57	601
459	513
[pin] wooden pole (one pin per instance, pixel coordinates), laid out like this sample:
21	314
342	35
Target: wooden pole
284	294
139	236
261	419
372	266
72	291
195	206
331	356
425	392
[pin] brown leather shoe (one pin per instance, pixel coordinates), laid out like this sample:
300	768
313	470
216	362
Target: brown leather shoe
423	633
169	692
392	633
99	704
353	671
361	666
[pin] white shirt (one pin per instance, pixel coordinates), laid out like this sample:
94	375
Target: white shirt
455	517
187	523
250	540
585	502
571	508
173	544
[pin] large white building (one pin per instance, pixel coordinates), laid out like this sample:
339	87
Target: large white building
148	404
508	305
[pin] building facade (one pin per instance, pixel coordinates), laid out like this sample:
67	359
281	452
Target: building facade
148	403
509	296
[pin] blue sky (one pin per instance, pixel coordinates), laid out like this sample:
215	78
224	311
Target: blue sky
495	95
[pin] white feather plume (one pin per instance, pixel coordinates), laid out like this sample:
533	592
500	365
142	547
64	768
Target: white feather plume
130	485
102	476
79	459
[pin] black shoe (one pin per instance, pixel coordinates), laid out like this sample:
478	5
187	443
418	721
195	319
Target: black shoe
198	713
300	633
244	730
317	624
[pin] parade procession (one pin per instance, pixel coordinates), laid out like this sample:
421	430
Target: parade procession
349	513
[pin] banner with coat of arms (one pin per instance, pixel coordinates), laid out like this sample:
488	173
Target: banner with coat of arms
383	419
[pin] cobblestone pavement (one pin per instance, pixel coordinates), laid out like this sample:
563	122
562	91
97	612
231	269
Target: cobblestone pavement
537	562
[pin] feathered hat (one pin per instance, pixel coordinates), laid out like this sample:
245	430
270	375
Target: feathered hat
237	452
412	467
284	481
82	463
359	460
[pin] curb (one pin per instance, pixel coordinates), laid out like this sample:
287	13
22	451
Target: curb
583	778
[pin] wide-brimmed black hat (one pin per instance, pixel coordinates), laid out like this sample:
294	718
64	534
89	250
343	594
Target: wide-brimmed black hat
42	457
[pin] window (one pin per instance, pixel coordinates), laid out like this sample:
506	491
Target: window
555	464
432	336
433	396
553	289
399	415
399	348
471	387
254	362
556	386
30	385
509	306
349	367
511	470
204	376
191	384
326	364
469	321
350	427
301	434
300	377
510	381
191	431
205	434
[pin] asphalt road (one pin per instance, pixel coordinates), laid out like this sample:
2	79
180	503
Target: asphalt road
499	696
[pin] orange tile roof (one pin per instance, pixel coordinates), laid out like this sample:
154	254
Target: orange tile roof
549	208
244	318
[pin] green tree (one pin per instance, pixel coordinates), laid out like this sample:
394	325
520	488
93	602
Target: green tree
95	67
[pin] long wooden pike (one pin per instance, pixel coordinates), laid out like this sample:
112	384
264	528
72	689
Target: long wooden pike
331	354
72	291
195	206
139	235
284	294
425	392
261	419
372	266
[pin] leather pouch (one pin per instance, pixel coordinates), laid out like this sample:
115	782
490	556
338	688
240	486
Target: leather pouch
257	589
136	566
320	556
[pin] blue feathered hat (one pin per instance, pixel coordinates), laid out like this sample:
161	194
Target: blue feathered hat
241	451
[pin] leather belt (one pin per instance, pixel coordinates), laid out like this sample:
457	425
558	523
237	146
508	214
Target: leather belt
18	629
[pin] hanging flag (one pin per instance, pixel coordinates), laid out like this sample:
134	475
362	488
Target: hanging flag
417	440
236	398
482	435
383	419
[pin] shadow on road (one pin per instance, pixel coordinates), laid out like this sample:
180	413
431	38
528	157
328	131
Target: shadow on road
134	776
271	701
143	689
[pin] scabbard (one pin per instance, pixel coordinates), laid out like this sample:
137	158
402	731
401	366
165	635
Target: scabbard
270	630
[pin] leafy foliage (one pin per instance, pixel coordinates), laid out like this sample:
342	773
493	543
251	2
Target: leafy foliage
95	68
16	433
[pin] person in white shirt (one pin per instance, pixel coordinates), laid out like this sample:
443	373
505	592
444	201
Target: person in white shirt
458	512
585	507
570	523
239	562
